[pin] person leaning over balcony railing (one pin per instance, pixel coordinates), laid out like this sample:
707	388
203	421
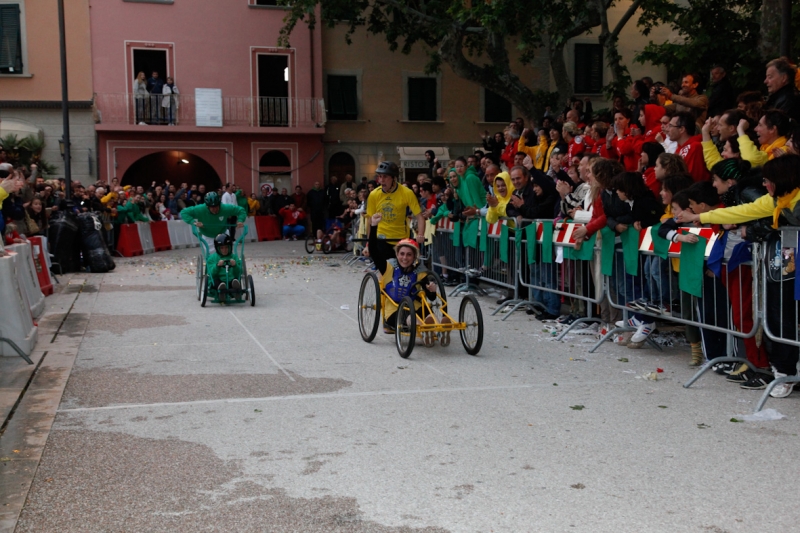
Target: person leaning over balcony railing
780	207
140	100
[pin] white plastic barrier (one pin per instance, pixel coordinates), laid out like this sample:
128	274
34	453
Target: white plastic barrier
16	323
146	237
252	233
180	235
27	277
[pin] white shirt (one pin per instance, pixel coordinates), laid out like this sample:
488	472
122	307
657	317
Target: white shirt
229	198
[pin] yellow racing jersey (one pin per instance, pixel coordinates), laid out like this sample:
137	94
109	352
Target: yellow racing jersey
394	207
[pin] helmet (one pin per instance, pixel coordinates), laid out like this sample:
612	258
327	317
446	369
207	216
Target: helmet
387	167
411	243
223	239
212	199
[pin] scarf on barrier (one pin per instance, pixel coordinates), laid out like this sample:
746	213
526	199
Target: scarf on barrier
530	236
780	204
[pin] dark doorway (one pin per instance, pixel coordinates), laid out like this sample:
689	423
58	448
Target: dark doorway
173	165
341	164
273	89
274	158
148	61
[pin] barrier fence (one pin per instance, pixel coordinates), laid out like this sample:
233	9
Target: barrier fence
724	293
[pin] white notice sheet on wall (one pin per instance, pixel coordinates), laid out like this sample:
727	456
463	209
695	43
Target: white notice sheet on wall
208	108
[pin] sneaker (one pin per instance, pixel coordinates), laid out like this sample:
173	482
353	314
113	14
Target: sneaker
429	337
544	315
723	368
740	374
631	323
222	286
294	237
235	285
504	299
639	304
389	330
635	345
444	336
656	309
286	238
143	124
643	331
604	329
565	319
781	390
759	382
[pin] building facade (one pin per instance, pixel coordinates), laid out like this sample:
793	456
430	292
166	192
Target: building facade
248	112
30	80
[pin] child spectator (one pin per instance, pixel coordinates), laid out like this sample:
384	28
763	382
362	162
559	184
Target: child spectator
292	218
647	165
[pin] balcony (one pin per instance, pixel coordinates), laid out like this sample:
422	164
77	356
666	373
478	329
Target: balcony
239	113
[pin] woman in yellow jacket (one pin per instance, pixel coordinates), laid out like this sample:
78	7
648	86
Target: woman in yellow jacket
782	208
537	153
772	130
503	189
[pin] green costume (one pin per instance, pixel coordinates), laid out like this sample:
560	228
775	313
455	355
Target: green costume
241	199
213	225
129	213
217	273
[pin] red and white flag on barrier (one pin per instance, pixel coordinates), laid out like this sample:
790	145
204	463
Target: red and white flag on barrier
562	232
494	229
646	240
445	223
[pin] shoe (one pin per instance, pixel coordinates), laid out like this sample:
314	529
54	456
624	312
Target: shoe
604	329
759	382
656	309
444	336
781	390
698	360
566	319
429	337
639	305
544	315
294	237
449	282
741	374
643	331
389	330
504	299
286	238
723	368
635	345
143	123
675	306
534	312
235	285
222	287
631	323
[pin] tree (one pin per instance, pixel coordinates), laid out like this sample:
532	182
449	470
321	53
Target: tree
475	40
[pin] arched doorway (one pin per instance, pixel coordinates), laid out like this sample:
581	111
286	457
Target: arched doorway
341	164
174	166
275	168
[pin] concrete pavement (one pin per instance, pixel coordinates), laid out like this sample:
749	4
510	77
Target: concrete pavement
279	418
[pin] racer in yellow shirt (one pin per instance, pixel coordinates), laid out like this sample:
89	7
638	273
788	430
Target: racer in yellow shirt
393	200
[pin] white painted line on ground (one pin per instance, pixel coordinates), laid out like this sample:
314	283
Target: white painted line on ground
432	368
160	345
334	306
262	347
345	395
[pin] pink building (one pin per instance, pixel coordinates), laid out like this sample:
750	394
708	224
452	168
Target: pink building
248	111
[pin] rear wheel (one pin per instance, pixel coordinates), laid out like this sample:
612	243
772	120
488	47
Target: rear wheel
369	307
203	290
198	273
310	244
251	291
327	245
405	334
470	314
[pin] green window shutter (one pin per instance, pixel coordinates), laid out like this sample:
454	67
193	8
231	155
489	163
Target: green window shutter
10	39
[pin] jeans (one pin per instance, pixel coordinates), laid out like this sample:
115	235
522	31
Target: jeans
658	271
544	275
294	231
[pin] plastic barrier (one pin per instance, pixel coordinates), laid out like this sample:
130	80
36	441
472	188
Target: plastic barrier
129	244
180	234
41	261
267	228
146	237
18	333
160	233
27	278
252	230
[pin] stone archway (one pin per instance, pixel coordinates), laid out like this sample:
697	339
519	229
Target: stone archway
174	166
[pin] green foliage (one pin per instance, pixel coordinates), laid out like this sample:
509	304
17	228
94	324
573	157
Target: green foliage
25	151
710	33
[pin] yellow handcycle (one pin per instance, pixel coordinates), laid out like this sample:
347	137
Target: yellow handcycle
412	312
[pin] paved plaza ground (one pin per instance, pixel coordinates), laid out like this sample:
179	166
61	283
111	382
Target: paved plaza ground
280	418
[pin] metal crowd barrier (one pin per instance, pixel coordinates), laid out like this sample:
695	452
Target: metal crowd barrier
450	256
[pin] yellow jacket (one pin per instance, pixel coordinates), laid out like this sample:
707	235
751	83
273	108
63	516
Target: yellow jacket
3	195
710	154
495	213
536	152
763	207
758	157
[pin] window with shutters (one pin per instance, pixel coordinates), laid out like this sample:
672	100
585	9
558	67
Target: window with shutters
342	97
422	99
588	69
10	39
495	107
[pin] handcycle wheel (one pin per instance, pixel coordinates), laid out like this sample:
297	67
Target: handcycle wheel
369	307
470	314
199	272
327	245
310	244
203	290
251	290
405	334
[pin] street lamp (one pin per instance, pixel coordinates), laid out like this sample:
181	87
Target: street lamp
61	147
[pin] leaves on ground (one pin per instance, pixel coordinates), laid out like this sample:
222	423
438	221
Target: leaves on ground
576	407
623	359
702	426
578	486
662	406
736	420
257	410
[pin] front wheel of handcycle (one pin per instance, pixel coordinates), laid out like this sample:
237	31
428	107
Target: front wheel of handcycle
369	307
251	290
198	273
310	244
405	334
203	290
471	316
441	302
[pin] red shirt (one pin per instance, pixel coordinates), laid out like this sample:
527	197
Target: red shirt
692	153
650	180
291	218
625	149
575	147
